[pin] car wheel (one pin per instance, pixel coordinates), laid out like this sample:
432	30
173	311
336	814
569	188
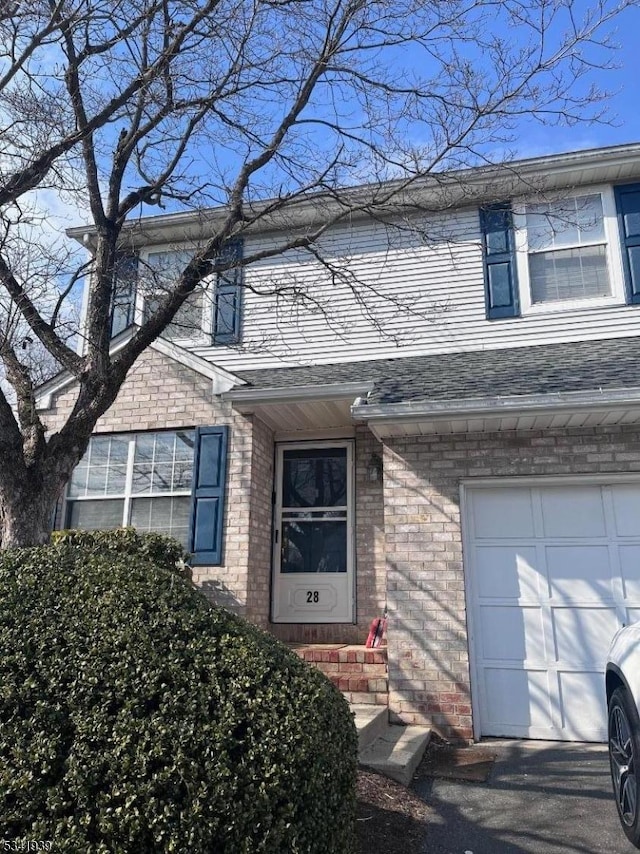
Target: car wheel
624	758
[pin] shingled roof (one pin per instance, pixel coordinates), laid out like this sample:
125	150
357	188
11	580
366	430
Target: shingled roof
543	369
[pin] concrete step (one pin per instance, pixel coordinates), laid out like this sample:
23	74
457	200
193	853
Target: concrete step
397	752
371	722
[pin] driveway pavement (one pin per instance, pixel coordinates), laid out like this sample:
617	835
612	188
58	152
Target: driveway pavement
540	798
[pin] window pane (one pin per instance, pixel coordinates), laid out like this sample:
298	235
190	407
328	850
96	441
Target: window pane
96	515
97	481
78	482
99	450
571	222
314	547
141	478
166	267
165	515
315	478
570	274
184	445
187	322
226	311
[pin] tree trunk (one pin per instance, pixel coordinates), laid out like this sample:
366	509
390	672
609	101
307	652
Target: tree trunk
27	516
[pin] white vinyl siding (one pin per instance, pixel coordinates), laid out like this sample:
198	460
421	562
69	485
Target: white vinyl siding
419	297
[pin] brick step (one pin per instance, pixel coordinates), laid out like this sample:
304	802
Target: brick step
360	673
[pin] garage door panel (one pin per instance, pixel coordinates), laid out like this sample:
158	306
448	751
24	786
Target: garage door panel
517	698
580	573
626	507
584	720
582	635
572	512
504	513
507	572
512	633
553	572
629	557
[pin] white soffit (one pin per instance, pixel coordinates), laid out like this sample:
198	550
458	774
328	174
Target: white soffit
530	412
300	408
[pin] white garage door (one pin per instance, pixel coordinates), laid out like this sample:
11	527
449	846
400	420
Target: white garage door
552	572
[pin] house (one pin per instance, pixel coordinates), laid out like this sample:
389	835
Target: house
469	461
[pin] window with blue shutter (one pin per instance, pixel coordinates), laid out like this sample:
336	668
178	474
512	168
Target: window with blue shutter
628	207
227	313
123	299
207	509
498	248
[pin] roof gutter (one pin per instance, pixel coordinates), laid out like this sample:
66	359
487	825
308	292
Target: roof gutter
457	188
486	407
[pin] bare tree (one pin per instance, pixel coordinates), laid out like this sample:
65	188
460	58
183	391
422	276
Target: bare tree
253	105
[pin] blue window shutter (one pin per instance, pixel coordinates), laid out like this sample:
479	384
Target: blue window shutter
499	259
207	505
628	207
227	312
123	298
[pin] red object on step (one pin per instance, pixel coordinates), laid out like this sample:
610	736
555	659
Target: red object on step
376	632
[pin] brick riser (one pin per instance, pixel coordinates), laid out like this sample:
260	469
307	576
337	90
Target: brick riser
360	673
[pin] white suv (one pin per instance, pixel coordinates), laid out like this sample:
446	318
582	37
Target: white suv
623	702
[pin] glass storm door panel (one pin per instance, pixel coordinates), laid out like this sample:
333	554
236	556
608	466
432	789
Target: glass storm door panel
313	535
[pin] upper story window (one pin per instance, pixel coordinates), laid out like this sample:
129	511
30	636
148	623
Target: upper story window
557	254
213	310
158	273
567	249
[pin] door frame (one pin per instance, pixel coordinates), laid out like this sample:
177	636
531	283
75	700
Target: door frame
276	577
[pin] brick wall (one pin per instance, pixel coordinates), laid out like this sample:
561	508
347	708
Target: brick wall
160	393
428	654
260	525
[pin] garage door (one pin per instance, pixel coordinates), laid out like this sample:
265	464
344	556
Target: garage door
552	572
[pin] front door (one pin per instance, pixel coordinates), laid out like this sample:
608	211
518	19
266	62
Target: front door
313	536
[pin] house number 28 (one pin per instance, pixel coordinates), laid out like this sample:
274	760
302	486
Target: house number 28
313	596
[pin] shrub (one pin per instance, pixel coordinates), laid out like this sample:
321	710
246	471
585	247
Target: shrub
161	550
136	718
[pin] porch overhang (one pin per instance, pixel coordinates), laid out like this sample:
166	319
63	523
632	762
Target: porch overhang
301	408
485	415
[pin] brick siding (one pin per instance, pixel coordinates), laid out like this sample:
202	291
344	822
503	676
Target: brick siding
160	393
428	654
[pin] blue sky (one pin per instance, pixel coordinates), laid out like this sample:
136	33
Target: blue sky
623	82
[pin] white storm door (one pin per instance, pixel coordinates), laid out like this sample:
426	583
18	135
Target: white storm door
313	563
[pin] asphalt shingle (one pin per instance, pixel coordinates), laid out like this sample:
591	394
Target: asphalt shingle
543	369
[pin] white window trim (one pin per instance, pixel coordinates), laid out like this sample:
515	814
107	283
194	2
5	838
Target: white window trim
128	495
207	287
612	250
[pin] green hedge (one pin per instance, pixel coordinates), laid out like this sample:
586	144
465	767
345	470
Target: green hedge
136	718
